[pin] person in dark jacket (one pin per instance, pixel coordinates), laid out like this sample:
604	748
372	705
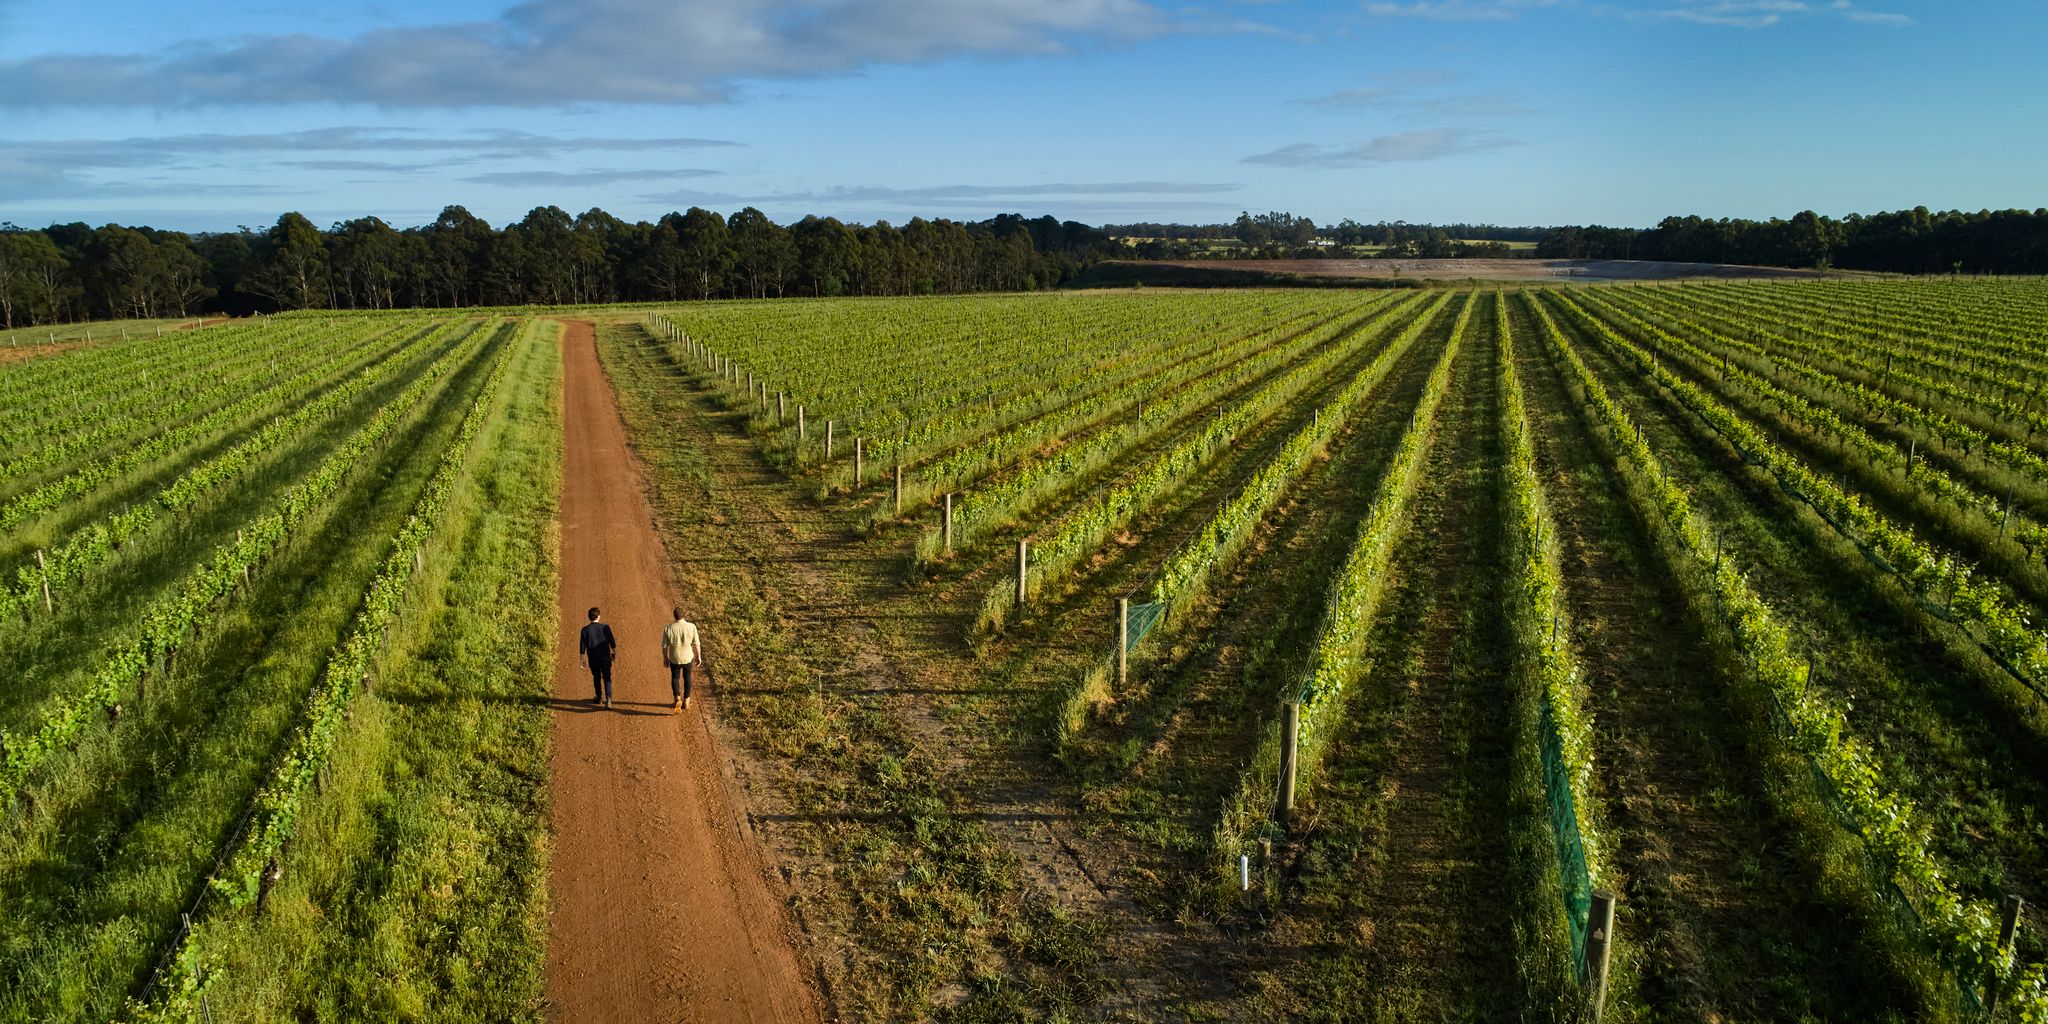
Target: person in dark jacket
595	649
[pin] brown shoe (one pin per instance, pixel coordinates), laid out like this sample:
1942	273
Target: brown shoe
679	705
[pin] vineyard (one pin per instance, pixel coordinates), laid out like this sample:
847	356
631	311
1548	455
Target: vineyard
1478	654
218	543
1398	637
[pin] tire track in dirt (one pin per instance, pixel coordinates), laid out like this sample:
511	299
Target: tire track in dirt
661	906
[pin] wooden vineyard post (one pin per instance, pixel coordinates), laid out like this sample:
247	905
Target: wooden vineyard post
1290	747
245	565
43	571
856	463
799	423
1023	564
1123	642
946	525
1599	945
828	440
899	488
2008	930
781	399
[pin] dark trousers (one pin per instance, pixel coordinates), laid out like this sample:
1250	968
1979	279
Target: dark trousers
600	680
679	680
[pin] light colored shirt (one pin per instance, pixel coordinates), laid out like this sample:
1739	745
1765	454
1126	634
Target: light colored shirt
679	642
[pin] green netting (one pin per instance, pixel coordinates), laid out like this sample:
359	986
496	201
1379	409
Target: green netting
1142	618
1576	882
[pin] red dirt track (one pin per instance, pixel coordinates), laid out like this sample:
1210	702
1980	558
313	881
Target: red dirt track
661	907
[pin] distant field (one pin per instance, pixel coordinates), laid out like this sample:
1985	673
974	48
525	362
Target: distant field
1240	273
29	342
1229	244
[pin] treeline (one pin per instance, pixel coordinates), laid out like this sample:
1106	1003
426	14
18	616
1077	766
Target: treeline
73	271
1905	242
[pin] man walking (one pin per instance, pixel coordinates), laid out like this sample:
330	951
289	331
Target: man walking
681	651
595	648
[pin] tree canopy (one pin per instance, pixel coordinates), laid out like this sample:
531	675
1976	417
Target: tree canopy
74	271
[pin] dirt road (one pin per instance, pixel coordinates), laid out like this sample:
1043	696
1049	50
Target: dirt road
661	905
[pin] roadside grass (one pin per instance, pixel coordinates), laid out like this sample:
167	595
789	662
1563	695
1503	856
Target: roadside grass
416	887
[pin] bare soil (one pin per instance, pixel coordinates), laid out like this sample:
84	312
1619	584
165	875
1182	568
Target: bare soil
24	353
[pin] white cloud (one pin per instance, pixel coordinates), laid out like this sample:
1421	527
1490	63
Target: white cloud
870	194
86	167
583	179
1849	10
1399	147
1730	13
1458	10
1764	13
1412	94
545	53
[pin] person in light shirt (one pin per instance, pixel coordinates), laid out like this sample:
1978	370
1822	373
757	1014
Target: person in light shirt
681	651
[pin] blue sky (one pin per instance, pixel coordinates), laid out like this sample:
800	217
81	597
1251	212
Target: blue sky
208	114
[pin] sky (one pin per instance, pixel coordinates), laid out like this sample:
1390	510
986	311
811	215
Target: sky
210	114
